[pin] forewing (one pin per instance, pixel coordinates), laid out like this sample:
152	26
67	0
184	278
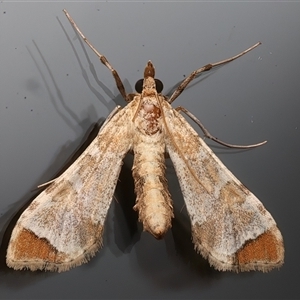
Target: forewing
63	226
230	226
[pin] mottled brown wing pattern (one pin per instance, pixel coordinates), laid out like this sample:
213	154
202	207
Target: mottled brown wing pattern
230	226
63	226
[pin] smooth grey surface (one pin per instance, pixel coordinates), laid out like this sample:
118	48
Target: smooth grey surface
51	97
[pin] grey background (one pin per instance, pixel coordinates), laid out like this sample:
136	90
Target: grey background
53	91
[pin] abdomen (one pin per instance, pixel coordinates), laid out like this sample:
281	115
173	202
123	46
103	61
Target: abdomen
153	201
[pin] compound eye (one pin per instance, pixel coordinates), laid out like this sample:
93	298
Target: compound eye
159	85
139	85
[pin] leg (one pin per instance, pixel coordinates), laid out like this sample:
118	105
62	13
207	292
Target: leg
46	183
101	57
208	135
193	75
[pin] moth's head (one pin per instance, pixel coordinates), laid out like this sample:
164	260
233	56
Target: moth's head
149	81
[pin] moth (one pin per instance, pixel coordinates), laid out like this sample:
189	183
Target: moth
63	226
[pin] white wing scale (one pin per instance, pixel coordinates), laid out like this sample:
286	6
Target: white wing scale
63	226
230	226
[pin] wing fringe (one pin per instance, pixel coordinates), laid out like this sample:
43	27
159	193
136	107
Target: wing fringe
264	253
56	262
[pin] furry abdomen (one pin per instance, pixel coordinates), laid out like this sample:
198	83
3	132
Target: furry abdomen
153	200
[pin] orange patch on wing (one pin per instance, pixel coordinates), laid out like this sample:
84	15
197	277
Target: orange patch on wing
30	247
264	248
